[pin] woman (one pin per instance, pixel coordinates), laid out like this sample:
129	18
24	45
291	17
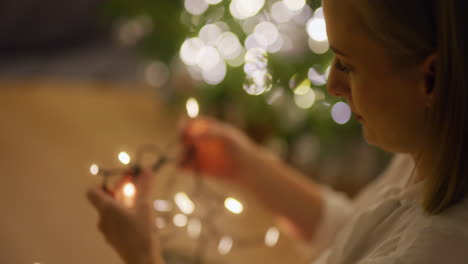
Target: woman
401	66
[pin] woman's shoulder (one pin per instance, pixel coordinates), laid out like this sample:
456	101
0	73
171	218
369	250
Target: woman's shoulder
454	219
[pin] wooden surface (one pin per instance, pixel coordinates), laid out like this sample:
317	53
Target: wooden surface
50	133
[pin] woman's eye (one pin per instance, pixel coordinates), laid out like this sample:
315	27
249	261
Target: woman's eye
339	66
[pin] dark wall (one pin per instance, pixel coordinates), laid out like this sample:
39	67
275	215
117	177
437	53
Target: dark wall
39	25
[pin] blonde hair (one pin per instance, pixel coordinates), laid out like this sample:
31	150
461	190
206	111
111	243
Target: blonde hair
411	31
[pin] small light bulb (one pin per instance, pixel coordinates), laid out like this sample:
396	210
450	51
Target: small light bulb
124	158
271	237
225	245
192	107
184	203
180	220
129	189
94	169
233	205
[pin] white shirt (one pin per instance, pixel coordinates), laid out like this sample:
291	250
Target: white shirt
386	224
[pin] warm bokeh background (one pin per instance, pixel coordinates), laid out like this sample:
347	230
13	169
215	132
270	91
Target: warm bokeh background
76	90
51	132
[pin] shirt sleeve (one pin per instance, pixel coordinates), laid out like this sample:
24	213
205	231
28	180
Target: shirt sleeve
337	209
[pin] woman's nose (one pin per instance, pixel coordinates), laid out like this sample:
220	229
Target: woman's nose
337	85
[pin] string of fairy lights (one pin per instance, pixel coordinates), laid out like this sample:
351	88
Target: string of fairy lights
181	210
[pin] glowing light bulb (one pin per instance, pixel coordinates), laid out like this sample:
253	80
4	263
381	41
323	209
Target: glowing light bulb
129	189
179	220
225	245
184	203
341	113
192	107
316	29
94	169
233	205
272	237
124	158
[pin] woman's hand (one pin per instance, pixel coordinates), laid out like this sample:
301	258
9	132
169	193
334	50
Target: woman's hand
218	149
130	231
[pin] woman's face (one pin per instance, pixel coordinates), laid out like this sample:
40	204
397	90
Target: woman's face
388	101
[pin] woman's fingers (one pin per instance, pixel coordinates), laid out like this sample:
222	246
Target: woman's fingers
101	200
144	185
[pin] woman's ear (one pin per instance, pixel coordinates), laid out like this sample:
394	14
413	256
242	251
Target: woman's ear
430	71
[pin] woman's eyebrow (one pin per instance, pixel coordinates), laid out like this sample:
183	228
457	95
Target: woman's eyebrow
337	51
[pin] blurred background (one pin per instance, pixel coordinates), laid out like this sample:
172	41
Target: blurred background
84	81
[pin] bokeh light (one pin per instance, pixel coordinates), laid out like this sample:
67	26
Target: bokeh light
196	7
259	82
160	222
304	15
229	45
225	245
129	189
213	2
180	220
94	169
316	78
208	58
216	74
184	203
242	9
318	47
162	205
272	237
233	205
194	228
209	33
156	74
192	107
305	100
281	13
266	33
190	49
341	113
124	158
294	5
316	29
